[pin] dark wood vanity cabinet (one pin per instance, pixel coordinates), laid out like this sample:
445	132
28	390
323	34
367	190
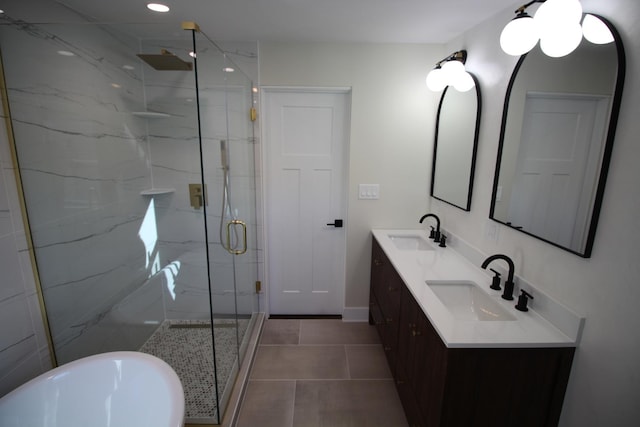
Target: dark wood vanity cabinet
441	386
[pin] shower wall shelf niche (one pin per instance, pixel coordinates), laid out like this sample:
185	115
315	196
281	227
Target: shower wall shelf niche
151	115
157	191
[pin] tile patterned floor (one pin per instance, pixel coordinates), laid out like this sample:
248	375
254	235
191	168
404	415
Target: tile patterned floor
189	351
312	373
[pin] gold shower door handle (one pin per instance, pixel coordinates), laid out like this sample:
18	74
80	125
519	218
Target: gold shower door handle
244	237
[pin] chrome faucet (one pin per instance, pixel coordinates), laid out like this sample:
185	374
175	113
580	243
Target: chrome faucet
435	235
508	284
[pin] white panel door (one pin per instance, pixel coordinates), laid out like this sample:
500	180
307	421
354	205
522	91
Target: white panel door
306	137
559	146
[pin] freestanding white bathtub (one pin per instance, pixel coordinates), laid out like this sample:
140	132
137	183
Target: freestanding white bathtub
115	389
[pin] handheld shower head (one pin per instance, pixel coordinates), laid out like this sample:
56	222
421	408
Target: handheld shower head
224	159
227	211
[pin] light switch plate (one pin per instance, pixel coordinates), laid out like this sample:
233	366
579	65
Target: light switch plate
369	191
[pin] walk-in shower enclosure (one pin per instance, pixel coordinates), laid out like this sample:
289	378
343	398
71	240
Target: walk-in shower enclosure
123	182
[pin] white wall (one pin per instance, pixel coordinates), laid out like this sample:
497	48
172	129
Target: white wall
392	124
605	381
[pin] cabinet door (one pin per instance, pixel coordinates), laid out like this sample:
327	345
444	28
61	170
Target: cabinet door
407	333
386	285
406	358
378	265
422	357
430	370
375	314
390	299
390	306
407	396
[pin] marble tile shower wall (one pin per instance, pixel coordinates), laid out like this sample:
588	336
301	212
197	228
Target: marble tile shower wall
84	162
24	352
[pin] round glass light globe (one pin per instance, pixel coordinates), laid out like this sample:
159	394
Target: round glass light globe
436	80
453	68
519	36
464	82
556	12
569	9
596	31
561	41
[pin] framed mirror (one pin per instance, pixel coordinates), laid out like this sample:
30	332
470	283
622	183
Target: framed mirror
557	133
455	146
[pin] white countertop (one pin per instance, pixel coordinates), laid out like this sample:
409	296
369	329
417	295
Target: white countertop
416	267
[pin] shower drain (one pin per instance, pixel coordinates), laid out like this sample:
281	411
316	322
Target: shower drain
200	325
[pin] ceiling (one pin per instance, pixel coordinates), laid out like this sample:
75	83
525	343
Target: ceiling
369	21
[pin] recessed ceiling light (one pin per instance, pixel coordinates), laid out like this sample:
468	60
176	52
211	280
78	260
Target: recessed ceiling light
228	70
1	11
128	67
192	54
116	85
66	53
158	7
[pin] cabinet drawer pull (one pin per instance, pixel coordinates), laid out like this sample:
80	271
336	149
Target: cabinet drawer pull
387	348
416	333
399	382
392	289
389	320
377	262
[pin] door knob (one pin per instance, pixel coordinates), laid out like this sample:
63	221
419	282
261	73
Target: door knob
337	223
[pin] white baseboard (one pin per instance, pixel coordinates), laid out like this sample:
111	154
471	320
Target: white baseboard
355	314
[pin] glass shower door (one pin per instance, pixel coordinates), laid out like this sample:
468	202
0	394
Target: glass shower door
242	226
227	141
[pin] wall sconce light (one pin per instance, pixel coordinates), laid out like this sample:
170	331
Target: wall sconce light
450	71
556	24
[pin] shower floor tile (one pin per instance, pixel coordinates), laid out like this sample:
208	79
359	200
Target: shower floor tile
186	345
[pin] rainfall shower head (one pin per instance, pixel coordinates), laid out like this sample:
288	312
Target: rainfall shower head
166	61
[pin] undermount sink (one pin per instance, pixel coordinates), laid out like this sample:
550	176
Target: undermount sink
410	242
466	301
